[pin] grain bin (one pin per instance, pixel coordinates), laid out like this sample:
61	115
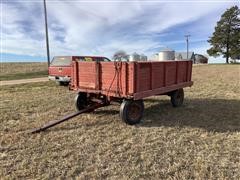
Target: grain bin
134	57
143	57
166	54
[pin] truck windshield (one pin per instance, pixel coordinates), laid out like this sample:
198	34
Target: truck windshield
61	61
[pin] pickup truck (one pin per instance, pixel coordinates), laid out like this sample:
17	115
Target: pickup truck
60	67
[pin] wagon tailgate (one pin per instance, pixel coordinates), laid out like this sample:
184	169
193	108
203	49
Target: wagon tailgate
59	71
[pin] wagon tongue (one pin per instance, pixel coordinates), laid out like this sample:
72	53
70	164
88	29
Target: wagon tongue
65	118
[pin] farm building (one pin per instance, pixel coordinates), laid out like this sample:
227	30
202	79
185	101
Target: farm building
200	59
185	56
196	58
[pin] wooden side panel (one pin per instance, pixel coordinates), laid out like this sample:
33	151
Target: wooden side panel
170	73
160	77
182	73
152	75
113	77
157	75
87	75
143	76
108	77
189	70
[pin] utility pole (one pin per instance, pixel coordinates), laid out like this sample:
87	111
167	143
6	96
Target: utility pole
187	36
46	31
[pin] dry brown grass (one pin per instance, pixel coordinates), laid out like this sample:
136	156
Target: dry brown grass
198	140
14	68
10	71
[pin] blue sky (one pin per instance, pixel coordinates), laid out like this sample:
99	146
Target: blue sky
104	27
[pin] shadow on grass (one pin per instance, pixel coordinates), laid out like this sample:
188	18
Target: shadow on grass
215	115
219	115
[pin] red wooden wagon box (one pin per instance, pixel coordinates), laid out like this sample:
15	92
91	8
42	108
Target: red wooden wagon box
129	83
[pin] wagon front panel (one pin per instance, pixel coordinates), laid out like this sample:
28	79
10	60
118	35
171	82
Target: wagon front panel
107	78
87	72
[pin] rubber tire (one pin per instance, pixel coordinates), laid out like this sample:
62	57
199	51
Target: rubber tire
81	101
60	83
126	107
177	97
66	83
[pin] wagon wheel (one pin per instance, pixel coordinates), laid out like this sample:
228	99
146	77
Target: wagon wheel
177	98
81	101
131	111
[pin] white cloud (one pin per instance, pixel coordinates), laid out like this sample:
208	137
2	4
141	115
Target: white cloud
99	28
21	30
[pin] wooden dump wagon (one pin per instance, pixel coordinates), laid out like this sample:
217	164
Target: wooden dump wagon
99	83
129	83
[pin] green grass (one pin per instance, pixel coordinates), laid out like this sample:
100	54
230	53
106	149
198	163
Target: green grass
199	140
27	75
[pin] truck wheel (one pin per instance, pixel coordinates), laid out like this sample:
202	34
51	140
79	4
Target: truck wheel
81	101
131	111
65	83
177	98
60	83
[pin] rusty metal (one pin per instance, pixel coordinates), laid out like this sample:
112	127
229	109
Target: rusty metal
65	118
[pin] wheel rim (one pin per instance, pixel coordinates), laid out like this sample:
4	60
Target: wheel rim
134	112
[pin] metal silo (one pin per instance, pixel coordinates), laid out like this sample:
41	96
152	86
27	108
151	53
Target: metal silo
134	57
166	54
143	57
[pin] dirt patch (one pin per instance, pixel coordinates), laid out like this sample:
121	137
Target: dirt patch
23	81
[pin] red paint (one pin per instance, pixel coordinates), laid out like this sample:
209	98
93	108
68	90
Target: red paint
134	80
66	70
59	71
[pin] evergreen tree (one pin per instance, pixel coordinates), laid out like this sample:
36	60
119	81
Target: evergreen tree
226	38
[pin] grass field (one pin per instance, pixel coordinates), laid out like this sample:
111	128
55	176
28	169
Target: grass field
199	140
12	71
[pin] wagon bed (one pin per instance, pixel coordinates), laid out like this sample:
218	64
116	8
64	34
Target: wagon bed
130	80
